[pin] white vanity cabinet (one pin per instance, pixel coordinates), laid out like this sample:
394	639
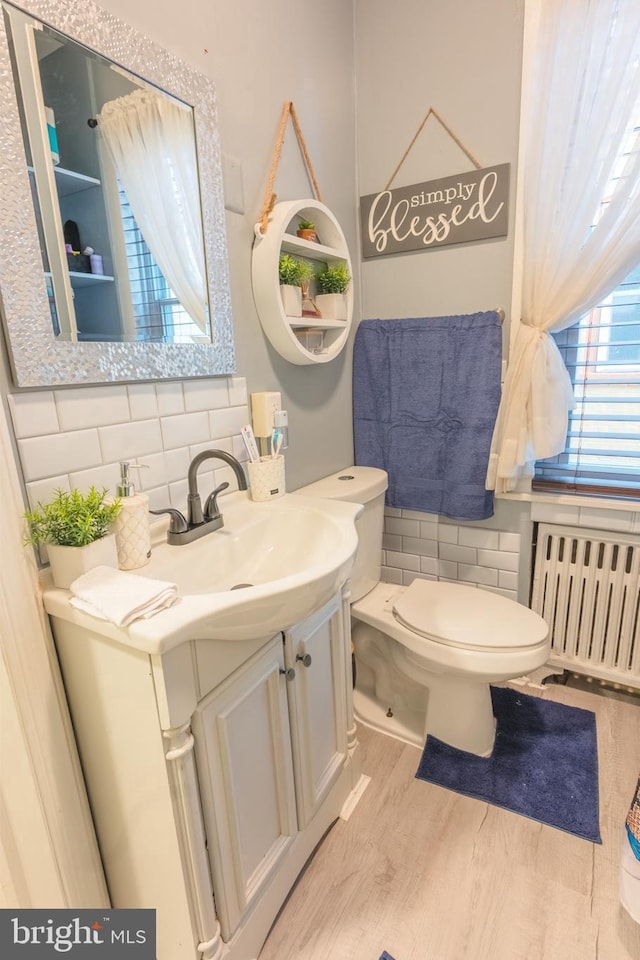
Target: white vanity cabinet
271	741
213	769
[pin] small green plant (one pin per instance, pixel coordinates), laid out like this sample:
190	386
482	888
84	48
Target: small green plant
334	278
293	271
306	225
72	519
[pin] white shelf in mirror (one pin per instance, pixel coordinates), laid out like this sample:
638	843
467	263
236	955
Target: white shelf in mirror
79	279
278	238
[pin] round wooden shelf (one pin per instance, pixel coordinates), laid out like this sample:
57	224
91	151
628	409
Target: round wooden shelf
281	237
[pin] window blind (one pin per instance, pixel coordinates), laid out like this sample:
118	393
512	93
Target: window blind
602	355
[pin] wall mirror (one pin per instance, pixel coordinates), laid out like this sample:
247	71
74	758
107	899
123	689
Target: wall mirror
113	262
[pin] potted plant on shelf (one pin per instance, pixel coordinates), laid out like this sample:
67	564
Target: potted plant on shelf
333	282
293	274
307	230
75	528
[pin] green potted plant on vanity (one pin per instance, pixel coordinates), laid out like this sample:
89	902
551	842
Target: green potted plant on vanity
75	528
293	274
333	282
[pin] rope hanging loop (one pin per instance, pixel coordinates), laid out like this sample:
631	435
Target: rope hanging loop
288	111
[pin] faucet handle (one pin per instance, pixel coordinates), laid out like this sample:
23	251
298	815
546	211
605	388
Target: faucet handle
211	510
177	522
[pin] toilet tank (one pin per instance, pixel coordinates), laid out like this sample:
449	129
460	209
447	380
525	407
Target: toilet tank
364	485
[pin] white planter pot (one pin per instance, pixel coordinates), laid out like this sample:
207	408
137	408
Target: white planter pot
332	306
291	300
69	563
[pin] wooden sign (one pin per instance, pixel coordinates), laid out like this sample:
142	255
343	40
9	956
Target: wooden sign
459	209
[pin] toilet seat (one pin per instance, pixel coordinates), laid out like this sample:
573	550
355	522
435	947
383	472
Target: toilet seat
467	618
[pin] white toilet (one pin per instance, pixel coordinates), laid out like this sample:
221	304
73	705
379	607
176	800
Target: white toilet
425	654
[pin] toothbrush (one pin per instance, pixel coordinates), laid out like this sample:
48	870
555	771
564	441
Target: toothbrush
250	443
276	443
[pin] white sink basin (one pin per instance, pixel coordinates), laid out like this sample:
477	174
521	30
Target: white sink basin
268	567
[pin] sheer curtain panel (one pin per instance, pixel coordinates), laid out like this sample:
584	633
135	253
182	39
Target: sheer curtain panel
152	144
581	219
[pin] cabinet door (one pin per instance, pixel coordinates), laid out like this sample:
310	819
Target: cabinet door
315	648
243	753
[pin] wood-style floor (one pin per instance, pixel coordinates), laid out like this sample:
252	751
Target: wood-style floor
427	874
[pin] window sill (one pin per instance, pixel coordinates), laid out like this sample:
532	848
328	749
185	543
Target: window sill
596	513
575	500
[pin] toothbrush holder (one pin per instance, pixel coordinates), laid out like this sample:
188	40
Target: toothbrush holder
266	478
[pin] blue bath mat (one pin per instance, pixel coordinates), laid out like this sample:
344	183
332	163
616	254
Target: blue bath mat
544	763
385	956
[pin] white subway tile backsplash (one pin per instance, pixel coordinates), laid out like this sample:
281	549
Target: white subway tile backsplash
222	444
206	394
98	477
128	441
509	594
42	491
170	398
184	430
403	560
429	530
143	401
224	423
92	406
424	548
158	498
59	453
447	570
178	494
33	414
408	576
448	533
420	515
391	575
471	537
392	541
429	565
392	512
507	580
478	574
510	542
499	559
407	528
451	551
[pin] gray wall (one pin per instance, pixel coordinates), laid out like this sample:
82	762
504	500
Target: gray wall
461	57
260	55
464	59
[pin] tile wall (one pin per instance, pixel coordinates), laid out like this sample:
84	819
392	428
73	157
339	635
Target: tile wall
424	545
77	437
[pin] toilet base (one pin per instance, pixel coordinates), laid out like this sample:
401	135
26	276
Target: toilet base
396	695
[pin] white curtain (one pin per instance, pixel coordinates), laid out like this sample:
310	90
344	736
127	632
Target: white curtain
152	145
583	93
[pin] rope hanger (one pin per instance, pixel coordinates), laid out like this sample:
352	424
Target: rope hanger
432	112
270	197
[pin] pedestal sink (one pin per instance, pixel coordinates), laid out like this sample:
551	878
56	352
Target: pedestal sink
269	566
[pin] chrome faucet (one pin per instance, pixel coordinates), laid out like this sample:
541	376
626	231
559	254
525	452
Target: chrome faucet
199	522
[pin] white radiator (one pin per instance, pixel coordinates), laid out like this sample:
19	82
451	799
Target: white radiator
586	585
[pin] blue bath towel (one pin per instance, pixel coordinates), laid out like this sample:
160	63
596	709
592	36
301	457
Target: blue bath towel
425	399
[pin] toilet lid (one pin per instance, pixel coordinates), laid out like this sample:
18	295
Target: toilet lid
468	617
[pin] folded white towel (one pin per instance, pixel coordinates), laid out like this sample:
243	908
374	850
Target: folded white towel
120	597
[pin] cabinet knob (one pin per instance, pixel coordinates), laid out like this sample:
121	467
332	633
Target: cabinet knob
304	659
290	674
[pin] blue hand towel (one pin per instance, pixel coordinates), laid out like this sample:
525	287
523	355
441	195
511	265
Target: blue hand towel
425	397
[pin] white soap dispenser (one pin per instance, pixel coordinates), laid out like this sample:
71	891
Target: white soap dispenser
131	526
